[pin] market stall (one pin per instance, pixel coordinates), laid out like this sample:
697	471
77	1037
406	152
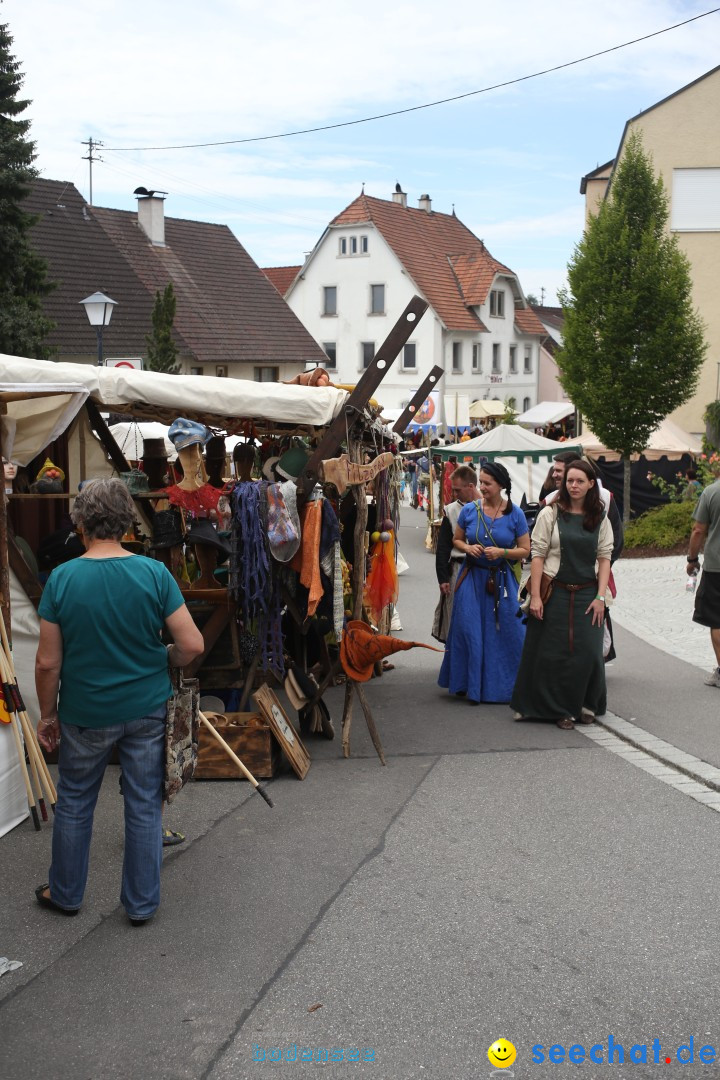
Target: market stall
258	555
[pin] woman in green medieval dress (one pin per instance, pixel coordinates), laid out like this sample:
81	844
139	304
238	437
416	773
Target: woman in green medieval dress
562	675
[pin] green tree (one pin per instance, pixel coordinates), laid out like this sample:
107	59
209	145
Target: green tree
633	344
162	350
23	274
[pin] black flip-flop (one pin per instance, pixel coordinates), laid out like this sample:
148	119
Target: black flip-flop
47	902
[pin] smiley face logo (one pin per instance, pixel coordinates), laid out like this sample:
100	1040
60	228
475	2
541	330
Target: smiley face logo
501	1054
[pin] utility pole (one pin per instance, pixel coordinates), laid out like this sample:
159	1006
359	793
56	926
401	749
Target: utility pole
92	144
542	287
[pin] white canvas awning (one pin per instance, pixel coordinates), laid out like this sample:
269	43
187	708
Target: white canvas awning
506	439
156	396
37	412
546	412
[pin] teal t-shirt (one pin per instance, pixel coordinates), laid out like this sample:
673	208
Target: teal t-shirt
111	613
707	512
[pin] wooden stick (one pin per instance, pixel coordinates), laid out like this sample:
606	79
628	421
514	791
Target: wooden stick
231	754
23	769
347	716
37	761
370	722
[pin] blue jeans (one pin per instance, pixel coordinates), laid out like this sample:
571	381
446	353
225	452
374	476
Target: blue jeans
84	754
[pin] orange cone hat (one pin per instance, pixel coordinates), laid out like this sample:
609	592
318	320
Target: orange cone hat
360	649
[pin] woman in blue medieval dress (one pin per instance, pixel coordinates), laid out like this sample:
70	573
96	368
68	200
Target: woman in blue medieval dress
486	636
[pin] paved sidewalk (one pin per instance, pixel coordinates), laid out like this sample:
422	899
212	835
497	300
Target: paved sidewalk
652	603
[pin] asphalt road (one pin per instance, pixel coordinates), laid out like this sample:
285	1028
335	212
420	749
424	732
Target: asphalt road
495	879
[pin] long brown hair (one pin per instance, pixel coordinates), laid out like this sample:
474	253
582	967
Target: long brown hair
593	508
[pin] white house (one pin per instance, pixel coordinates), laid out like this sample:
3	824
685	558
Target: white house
365	268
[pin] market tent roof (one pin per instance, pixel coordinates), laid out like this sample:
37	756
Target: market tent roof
546	412
152	395
506	440
480	410
668	440
37	412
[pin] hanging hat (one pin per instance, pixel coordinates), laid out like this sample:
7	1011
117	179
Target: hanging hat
360	649
203	531
283	520
183	433
167	529
50	471
268	469
293	461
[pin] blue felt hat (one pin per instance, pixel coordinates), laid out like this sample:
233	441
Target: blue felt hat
182	433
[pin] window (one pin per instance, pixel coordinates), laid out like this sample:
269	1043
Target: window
368	352
695	200
377	299
330	300
197	371
266	374
477	359
364	245
497	303
409	360
343	245
496	358
457	356
330	350
221	371
513	359
353	245
526	404
528	359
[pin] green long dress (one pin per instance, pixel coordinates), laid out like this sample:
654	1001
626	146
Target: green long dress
558	677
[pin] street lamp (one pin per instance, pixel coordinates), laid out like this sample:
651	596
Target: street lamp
99	309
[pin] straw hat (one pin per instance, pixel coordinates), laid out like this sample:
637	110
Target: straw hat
360	649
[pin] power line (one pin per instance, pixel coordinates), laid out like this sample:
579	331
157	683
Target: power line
417	108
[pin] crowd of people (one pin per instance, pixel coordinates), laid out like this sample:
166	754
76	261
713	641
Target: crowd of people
499	650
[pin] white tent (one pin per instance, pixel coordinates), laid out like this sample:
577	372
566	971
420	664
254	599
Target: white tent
156	396
130	437
668	440
546	412
480	410
525	455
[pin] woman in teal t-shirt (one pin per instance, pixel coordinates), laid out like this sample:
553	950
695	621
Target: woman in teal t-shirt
102	681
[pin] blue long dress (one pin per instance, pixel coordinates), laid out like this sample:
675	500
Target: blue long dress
486	637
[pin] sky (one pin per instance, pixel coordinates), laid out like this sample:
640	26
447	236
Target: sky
509	160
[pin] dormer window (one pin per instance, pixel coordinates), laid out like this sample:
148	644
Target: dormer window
497	303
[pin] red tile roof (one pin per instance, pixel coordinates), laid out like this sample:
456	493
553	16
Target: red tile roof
282	277
527	322
227	310
450	266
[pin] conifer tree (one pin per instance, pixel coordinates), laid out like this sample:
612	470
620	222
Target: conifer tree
23	274
633	344
162	350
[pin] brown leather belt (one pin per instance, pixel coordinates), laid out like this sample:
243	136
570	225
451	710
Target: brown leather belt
572	589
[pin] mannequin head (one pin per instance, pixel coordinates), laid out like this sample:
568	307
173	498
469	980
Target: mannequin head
10	469
194	475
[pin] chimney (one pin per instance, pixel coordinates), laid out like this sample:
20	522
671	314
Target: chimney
399	196
151	217
425	203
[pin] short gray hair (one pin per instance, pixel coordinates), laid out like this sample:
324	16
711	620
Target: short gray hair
104	509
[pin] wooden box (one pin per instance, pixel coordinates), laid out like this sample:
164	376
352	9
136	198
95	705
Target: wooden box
249	735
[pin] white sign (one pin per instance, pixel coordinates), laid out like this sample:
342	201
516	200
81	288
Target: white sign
126	361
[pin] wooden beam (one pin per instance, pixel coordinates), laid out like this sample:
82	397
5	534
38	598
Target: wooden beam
338	431
417	399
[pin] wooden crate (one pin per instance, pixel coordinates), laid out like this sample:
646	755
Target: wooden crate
249	735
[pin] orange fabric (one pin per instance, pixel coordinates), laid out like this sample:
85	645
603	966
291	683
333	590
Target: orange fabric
307	558
360	649
381	587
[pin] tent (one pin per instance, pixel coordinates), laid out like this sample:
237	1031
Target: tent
668	440
526	456
546	412
481	410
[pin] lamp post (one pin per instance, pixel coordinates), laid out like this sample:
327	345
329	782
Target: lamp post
99	309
